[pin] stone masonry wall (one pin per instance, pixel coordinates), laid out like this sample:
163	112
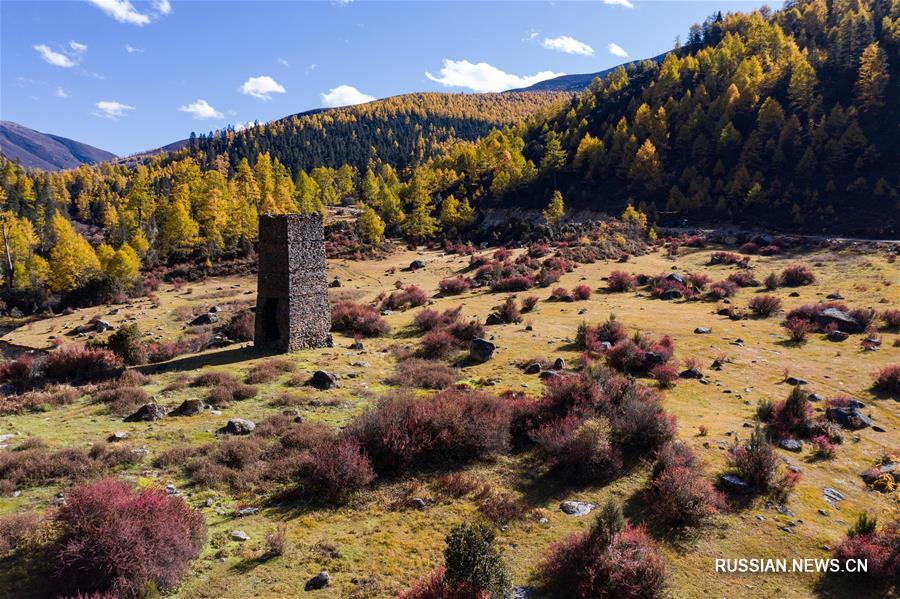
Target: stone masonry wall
292	308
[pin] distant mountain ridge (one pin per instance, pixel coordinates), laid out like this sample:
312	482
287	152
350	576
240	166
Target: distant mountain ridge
34	149
577	83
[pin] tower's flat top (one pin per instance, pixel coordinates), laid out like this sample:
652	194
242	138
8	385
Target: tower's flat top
315	216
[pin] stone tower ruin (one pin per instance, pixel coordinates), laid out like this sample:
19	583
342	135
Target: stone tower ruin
292	309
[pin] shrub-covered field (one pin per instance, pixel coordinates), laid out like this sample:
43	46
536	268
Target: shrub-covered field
599	391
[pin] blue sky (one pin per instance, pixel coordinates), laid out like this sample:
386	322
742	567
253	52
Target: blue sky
127	76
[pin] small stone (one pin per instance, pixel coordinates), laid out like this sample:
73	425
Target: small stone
247	511
794	380
118	436
170	489
790	444
322	380
147	412
559	364
702	331
419	503
239	426
823	512
576	508
533	368
239	535
319	581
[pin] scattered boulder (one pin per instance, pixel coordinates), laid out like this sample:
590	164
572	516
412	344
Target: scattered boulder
203	319
214	309
838	335
795	381
702	331
416	264
419	503
790	444
493	319
322	380
848	417
481	350
117	436
734	483
147	413
357	345
239	535
548	374
576	508
336	282
691	373
559	364
832	317
239	426
319	581
533	368
832	495
674	276
189	407
101	325
834	296
873	474
653	359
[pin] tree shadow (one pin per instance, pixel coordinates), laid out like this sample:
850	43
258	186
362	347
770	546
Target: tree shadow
836	586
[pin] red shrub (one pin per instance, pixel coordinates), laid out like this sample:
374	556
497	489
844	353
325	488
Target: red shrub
755	461
454	285
887	379
765	305
642	423
797	275
620	281
424	374
881	550
665	374
529	303
698	280
581	292
78	363
792	416
16	528
626	565
403	299
590	338
538	250
435	586
466	331
681	495
823	447
405	431
749	248
581	451
438	344
514	283
502	255
864	316
797	329
357	319
241	327
508	311
743	279
891	319
560	294
549	276
770	250
727	258
340	468
428	319
722	289
118	539
21	373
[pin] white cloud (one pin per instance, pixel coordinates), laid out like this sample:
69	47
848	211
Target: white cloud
78	47
261	87
112	110
530	36
55	58
617	50
482	77
122	11
625	3
202	110
163	7
240	125
132	49
61	93
283	62
567	44
345	95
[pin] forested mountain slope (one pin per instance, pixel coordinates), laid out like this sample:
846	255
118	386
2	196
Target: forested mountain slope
784	118
400	130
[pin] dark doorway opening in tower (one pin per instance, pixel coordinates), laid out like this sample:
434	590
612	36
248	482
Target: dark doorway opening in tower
271	330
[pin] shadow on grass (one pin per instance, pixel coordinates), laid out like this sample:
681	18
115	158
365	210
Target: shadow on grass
836	586
195	361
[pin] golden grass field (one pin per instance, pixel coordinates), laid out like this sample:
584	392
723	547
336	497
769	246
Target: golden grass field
372	549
